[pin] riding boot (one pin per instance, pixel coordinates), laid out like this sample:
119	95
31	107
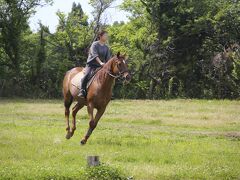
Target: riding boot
83	92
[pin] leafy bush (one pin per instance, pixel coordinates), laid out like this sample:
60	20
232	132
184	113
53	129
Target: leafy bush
104	172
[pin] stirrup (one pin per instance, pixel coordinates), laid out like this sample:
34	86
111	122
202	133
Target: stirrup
82	93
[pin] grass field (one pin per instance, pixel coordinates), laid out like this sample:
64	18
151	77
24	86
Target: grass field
175	139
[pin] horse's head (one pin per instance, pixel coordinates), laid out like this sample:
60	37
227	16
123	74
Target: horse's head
120	67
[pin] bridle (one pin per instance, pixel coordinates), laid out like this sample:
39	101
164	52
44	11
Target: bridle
120	74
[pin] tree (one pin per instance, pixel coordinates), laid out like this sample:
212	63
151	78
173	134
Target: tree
99	6
13	19
73	34
136	46
189	32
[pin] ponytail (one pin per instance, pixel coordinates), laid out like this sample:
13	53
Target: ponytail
100	33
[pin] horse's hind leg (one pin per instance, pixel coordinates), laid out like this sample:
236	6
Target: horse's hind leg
67	104
75	109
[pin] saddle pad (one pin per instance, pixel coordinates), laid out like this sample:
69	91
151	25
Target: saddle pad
76	81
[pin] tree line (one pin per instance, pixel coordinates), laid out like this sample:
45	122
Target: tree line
187	48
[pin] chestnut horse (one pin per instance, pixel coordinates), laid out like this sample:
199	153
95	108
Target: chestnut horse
99	93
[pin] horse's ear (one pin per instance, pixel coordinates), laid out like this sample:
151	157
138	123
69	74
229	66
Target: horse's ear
125	56
118	54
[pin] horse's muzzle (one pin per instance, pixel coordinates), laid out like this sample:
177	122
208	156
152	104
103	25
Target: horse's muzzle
127	78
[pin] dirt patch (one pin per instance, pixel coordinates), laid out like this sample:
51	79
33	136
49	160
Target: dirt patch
235	135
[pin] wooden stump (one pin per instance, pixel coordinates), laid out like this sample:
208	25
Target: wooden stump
93	160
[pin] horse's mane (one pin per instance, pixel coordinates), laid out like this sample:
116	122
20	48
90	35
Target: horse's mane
108	65
105	69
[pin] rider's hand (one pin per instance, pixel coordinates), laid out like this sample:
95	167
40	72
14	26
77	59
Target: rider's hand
102	63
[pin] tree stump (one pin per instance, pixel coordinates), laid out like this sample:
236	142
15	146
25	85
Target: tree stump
93	160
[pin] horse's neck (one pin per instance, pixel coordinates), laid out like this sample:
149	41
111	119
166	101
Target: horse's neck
106	81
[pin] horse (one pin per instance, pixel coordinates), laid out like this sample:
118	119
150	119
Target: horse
99	92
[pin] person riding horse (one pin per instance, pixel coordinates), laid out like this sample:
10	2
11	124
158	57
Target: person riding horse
100	90
99	54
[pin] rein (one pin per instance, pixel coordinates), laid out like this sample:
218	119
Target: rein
116	76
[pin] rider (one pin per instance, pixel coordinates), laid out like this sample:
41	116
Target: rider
99	54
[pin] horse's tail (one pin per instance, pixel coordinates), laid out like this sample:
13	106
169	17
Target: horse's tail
66	80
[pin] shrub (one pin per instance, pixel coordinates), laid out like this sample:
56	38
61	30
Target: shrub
104	172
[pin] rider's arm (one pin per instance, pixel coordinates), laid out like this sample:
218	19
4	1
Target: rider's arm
99	61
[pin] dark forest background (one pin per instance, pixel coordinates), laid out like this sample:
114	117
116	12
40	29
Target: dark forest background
176	48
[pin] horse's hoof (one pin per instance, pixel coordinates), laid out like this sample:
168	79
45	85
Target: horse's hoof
82	142
68	135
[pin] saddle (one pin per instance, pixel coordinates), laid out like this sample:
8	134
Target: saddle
76	81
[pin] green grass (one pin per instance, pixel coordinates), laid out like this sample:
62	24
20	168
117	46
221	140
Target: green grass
175	139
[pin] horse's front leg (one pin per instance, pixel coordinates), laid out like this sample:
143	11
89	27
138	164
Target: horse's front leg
93	122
